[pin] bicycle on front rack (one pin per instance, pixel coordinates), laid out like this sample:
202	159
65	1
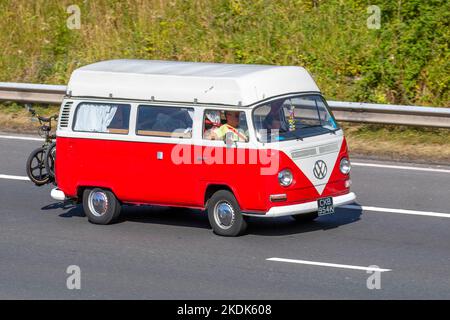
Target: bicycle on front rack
41	162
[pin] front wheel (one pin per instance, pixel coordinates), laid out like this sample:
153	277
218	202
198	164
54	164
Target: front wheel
36	170
224	214
100	206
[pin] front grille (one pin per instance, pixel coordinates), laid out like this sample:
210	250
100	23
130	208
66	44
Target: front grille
329	148
316	151
304	153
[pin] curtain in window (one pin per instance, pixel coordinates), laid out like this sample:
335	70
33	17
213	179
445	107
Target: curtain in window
94	117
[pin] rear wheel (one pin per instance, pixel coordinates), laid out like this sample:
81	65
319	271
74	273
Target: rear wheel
50	158
101	206
224	214
305	217
36	170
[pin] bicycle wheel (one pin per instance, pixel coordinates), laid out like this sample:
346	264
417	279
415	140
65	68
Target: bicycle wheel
36	167
50	157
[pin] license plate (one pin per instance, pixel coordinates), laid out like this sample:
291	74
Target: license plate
325	206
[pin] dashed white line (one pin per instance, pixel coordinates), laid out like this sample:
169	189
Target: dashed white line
21	138
375	165
401	211
10	177
332	265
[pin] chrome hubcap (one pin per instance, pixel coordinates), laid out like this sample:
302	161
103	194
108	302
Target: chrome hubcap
224	214
98	203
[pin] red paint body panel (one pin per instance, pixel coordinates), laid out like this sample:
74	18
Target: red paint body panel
131	170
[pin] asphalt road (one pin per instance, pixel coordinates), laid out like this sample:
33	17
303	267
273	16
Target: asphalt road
159	253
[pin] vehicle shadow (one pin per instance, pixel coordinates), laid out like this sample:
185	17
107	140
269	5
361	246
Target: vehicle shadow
256	226
142	214
198	219
183	217
288	226
58	205
69	210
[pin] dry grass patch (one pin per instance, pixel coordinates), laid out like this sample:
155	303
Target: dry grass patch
399	143
16	119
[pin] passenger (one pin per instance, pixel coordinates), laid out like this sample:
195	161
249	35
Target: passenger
212	119
232	126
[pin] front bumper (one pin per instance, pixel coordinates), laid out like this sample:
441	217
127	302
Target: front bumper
306	207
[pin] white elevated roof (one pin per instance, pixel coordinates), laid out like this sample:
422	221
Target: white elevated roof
211	83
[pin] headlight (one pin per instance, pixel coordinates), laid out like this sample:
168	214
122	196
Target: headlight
285	177
345	166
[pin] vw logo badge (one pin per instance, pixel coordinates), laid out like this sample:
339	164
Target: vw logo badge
320	169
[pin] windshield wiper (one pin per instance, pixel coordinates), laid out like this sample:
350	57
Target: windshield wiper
333	131
296	136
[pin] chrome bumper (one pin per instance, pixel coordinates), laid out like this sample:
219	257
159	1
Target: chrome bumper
289	210
57	194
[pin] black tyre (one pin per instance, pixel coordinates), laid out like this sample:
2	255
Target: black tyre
50	157
100	206
36	170
305	217
224	214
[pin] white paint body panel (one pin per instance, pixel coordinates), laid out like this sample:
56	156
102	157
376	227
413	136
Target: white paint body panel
319	144
214	83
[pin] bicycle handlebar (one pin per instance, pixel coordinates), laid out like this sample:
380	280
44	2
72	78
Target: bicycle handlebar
47	119
41	118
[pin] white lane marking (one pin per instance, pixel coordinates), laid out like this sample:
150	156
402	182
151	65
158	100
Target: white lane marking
21	138
332	265
402	211
7	176
375	165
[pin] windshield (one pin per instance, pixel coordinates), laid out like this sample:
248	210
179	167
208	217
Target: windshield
293	118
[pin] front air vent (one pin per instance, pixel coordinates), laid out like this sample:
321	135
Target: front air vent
316	151
64	119
328	148
297	154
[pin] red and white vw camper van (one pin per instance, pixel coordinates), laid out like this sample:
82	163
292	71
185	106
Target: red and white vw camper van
236	140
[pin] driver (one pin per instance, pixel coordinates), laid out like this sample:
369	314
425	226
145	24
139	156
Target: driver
232	125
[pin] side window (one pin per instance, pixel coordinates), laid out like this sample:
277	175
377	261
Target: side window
217	123
102	117
326	118
164	121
